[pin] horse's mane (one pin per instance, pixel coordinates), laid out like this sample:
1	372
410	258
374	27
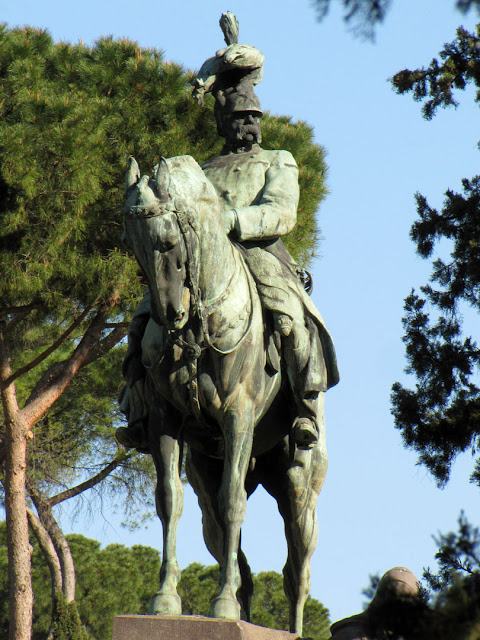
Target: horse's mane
189	188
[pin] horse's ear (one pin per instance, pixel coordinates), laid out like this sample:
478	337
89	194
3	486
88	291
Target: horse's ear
162	180
133	173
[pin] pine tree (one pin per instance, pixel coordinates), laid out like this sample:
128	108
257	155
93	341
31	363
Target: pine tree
441	417
70	115
269	607
363	16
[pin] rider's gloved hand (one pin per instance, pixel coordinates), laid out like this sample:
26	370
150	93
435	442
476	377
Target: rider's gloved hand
229	219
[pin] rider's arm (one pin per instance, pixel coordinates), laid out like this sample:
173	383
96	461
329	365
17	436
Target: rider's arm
275	213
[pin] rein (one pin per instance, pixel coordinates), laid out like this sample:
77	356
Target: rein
191	349
185	223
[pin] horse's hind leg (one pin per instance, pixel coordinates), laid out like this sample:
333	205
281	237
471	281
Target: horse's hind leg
165	450
205	476
296	484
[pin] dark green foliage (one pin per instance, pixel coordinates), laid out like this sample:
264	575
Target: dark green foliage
110	581
441	417
118	580
199	585
455	612
435	85
458	554
363	16
67	624
70	116
270	607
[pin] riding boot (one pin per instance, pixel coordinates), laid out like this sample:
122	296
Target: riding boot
133	405
305	370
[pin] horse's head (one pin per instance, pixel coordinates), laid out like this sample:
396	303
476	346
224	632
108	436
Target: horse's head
153	233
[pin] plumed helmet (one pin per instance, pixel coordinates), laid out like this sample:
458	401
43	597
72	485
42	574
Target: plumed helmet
238	98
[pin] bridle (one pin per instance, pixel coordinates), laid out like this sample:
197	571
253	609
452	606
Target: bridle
201	310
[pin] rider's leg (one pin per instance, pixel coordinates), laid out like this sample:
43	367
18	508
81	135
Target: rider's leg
133	405
306	371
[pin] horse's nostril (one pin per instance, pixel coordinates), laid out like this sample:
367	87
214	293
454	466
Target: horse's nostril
175	315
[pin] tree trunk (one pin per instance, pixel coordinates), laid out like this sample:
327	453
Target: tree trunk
18	544
45	514
46	545
18	425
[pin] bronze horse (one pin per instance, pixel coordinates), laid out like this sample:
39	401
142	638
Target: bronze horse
211	384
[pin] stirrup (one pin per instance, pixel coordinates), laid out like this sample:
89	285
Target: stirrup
132	437
305	434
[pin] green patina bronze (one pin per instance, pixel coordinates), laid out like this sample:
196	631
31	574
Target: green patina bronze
227	353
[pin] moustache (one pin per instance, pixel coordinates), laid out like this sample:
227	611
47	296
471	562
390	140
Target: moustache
250	132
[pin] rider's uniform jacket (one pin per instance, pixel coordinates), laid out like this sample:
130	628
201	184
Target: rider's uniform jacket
262	187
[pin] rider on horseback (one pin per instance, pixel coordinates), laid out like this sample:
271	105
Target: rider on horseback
260	191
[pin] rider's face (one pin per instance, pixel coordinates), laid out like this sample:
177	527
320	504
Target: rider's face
242	126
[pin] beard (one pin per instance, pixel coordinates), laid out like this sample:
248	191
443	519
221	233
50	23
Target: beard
249	133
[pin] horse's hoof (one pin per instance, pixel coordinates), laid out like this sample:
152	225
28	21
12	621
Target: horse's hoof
225	608
163	604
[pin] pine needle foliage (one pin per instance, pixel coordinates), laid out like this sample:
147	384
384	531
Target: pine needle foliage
435	85
269	606
364	16
70	117
440	418
455	588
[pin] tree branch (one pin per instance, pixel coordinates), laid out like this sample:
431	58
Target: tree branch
113	338
21	309
59	541
91	482
31	365
18	318
8	392
38	403
48	550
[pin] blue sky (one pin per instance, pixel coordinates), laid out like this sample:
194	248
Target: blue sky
377	509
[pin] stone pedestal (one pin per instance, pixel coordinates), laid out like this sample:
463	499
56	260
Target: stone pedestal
191	628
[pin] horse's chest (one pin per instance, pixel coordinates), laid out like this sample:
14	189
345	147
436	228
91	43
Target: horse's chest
186	384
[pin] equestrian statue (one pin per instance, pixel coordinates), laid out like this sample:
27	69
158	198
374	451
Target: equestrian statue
227	354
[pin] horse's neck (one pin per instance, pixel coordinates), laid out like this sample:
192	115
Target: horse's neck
217	263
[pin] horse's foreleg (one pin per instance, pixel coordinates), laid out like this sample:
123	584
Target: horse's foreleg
205	476
169	504
238	434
